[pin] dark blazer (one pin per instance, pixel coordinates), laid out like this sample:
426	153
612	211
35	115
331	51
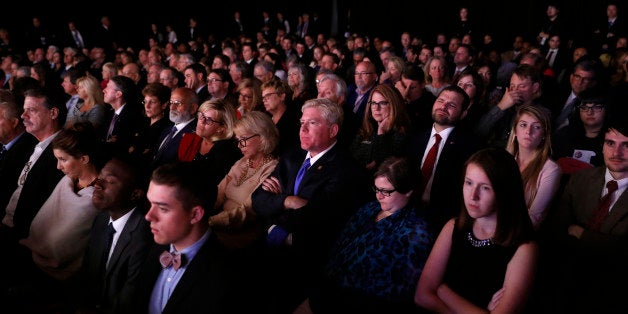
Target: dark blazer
42	178
445	195
350	102
203	94
109	290
128	125
212	283
335	187
168	153
11	166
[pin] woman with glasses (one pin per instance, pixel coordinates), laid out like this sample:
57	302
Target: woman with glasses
377	260
384	128
580	143
249	93
236	223
276	95
212	147
156	104
530	144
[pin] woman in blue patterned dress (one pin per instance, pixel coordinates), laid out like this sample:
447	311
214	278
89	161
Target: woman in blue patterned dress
379	256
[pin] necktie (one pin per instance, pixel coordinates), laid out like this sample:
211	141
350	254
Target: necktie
601	211
304	167
430	160
174	259
109	238
112	125
550	54
168	137
77	39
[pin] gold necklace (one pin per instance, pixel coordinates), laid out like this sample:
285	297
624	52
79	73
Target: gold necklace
244	176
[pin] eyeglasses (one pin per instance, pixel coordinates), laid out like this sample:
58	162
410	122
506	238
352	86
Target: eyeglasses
383	192
380	104
242	141
594	108
207	120
214	80
245	96
362	73
175	103
264	97
584	79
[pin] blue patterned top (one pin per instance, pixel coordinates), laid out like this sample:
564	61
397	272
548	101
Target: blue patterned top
381	259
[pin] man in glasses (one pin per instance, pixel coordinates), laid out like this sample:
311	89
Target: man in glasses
183	107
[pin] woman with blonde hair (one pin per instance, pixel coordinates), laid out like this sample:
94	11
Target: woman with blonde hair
236	223
249	93
436	75
530	143
212	146
91	106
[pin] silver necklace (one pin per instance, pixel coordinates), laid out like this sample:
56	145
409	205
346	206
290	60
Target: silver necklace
478	243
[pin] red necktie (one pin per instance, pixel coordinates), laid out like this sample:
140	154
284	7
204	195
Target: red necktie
170	259
601	211
430	160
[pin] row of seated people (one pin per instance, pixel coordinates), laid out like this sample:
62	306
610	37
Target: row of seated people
208	137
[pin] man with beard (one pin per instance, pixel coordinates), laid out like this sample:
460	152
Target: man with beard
183	107
440	152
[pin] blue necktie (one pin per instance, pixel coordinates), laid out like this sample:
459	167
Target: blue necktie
304	167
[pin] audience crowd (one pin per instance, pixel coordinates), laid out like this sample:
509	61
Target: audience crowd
281	169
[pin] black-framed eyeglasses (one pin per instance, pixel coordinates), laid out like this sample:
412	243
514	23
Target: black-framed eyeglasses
383	192
242	141
362	73
595	108
269	94
214	80
380	104
207	120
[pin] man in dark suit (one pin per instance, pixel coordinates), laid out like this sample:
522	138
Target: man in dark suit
16	145
358	95
440	188
196	79
588	251
201	276
183	109
124	122
109	272
305	218
43	117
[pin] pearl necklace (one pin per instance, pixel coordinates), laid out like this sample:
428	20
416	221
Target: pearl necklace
244	176
478	243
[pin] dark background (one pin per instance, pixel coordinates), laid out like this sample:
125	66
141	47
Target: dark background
387	18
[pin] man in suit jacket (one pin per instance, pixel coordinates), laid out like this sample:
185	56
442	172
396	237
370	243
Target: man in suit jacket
196	79
304	221
590	261
121	94
43	117
183	110
358	95
440	193
18	145
207	279
109	275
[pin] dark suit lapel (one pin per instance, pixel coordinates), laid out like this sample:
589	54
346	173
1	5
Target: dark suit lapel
125	239
319	168
617	213
590	200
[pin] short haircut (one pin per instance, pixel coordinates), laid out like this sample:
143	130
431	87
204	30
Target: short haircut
258	122
331	112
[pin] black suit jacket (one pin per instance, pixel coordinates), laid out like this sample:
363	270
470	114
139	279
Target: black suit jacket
168	153
214	282
203	94
129	123
42	178
446	192
11	167
109	290
335	187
